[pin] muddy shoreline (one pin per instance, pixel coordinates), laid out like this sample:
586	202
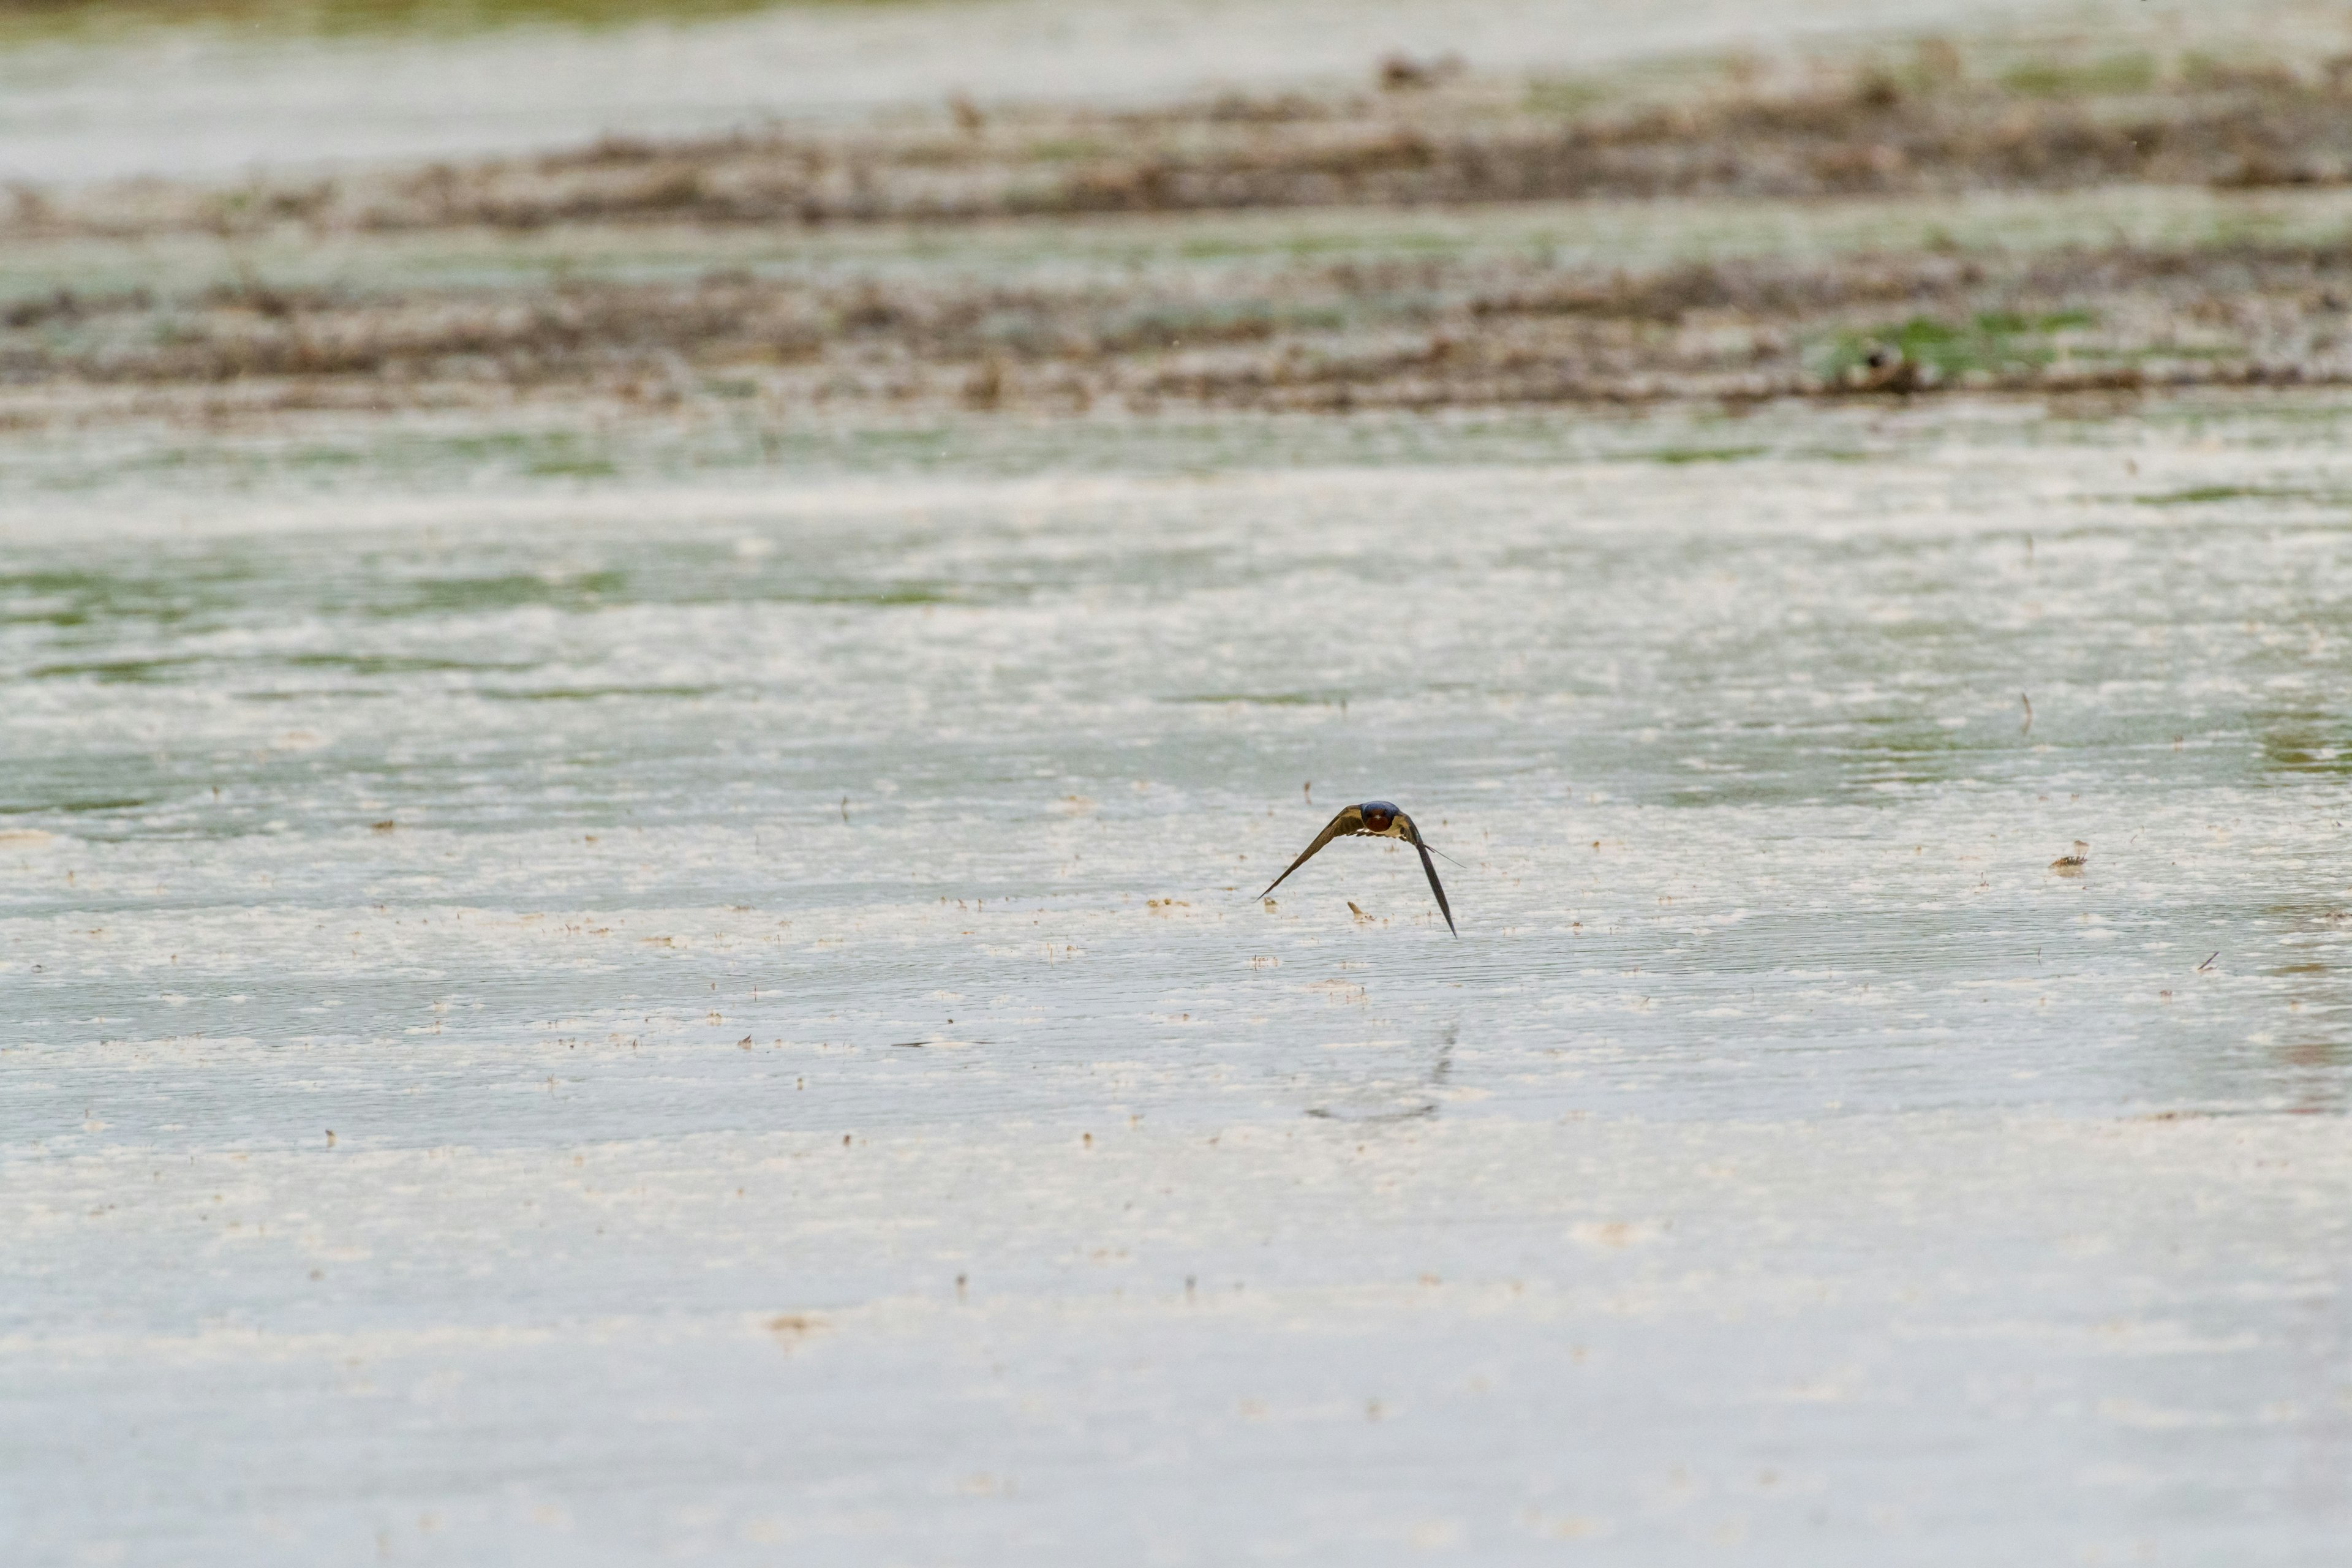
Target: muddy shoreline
1372	328
1425	333
1924	124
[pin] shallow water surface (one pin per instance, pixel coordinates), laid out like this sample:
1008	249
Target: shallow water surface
777	954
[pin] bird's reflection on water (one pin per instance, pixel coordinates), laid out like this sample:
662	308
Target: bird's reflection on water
1379	1099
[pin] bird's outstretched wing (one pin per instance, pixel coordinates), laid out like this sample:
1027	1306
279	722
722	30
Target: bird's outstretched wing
1350	820
1429	866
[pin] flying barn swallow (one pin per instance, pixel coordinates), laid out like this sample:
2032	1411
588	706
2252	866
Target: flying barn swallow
1373	820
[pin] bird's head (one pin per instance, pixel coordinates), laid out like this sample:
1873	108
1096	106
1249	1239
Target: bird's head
1378	815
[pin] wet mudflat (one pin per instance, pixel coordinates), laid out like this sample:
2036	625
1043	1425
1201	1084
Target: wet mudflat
294	84
1912	219
717	1008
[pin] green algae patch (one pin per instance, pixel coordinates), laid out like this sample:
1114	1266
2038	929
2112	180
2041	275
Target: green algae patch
598	693
1985	344
1264	698
2204	495
1678	457
462	595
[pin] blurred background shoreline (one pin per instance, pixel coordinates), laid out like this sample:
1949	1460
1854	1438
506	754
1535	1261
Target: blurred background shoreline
97	89
2087	202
